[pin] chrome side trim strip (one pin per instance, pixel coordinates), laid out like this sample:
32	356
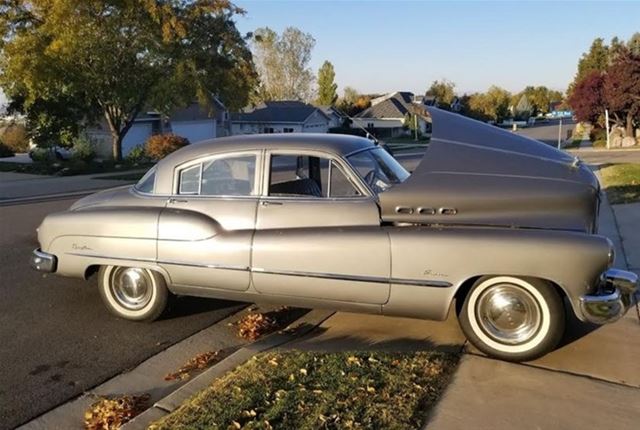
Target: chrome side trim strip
207	266
356	278
318	275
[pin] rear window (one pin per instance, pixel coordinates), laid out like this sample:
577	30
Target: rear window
148	182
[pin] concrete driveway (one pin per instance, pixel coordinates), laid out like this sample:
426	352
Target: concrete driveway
591	381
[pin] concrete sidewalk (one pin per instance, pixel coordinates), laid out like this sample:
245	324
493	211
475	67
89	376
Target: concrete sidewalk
22	185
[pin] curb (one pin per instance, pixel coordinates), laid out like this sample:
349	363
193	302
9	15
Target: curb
173	401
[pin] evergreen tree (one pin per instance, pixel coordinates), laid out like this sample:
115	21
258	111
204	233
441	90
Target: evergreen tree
327	88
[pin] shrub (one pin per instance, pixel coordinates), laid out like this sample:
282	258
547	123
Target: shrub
598	134
137	155
83	149
161	145
15	138
5	151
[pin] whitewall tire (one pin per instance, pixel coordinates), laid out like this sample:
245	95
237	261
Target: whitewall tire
513	318
133	293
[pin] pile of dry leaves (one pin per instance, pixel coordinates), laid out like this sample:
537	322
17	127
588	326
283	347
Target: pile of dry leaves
199	362
110	413
257	324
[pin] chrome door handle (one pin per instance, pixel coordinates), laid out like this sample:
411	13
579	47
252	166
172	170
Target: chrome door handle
270	203
172	200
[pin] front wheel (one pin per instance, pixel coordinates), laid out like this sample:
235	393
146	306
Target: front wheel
133	293
511	318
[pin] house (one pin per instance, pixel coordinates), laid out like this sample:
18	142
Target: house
337	118
280	117
386	116
193	122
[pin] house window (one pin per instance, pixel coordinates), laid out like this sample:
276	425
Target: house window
370	125
267	130
287	130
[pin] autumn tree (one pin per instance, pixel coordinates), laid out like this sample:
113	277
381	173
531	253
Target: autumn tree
621	88
444	92
117	58
282	61
587	97
327	88
352	102
492	105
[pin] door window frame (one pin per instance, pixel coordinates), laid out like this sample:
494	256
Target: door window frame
343	166
258	186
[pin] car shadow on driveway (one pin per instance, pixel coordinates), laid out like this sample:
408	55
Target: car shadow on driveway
185	306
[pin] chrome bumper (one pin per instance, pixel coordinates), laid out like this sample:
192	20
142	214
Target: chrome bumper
617	292
43	261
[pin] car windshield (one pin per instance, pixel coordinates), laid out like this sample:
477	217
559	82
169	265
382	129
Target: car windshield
147	183
378	169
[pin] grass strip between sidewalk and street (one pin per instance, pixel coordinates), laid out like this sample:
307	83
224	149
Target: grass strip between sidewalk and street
303	390
621	182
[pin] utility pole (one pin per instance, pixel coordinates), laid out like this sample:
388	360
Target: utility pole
415	125
606	122
559	133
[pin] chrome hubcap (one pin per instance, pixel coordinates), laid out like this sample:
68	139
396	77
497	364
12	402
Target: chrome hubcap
131	287
509	314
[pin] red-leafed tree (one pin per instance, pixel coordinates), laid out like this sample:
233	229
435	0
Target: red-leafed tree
587	98
622	89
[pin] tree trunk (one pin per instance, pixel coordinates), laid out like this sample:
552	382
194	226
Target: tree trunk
116	146
629	128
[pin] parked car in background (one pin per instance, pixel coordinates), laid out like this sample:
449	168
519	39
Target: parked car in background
53	152
500	228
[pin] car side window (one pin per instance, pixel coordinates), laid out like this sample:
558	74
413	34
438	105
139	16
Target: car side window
227	176
341	186
190	180
232	176
308	176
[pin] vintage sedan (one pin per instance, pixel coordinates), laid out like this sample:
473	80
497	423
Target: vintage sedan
498	228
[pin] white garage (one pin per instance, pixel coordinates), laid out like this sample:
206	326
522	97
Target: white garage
137	135
195	131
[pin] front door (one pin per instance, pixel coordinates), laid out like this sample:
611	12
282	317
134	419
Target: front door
318	233
206	229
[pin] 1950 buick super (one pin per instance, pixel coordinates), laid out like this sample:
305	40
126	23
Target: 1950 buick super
502	226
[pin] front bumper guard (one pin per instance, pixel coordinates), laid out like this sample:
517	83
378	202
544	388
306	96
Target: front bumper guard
43	261
617	292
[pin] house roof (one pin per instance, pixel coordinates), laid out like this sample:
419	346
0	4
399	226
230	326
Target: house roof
393	105
277	111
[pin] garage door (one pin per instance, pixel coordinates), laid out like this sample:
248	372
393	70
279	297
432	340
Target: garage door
137	135
195	131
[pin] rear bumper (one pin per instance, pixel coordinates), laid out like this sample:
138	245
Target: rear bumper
617	292
43	261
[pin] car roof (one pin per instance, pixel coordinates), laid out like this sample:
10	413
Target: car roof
338	144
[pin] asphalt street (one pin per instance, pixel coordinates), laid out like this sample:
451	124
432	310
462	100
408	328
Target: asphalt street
548	132
56	338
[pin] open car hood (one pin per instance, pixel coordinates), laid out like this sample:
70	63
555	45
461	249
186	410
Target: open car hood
477	174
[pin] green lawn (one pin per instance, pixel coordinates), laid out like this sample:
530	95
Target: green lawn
621	182
71	167
305	390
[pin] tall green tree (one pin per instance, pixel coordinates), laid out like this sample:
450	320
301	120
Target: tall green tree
444	91
282	61
119	57
597	58
327	88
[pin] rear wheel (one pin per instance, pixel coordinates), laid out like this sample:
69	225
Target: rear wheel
511	318
133	293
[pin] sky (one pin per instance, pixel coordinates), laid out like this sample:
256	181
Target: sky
383	46
386	45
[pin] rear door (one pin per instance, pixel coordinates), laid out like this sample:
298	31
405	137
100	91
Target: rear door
318	232
206	229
